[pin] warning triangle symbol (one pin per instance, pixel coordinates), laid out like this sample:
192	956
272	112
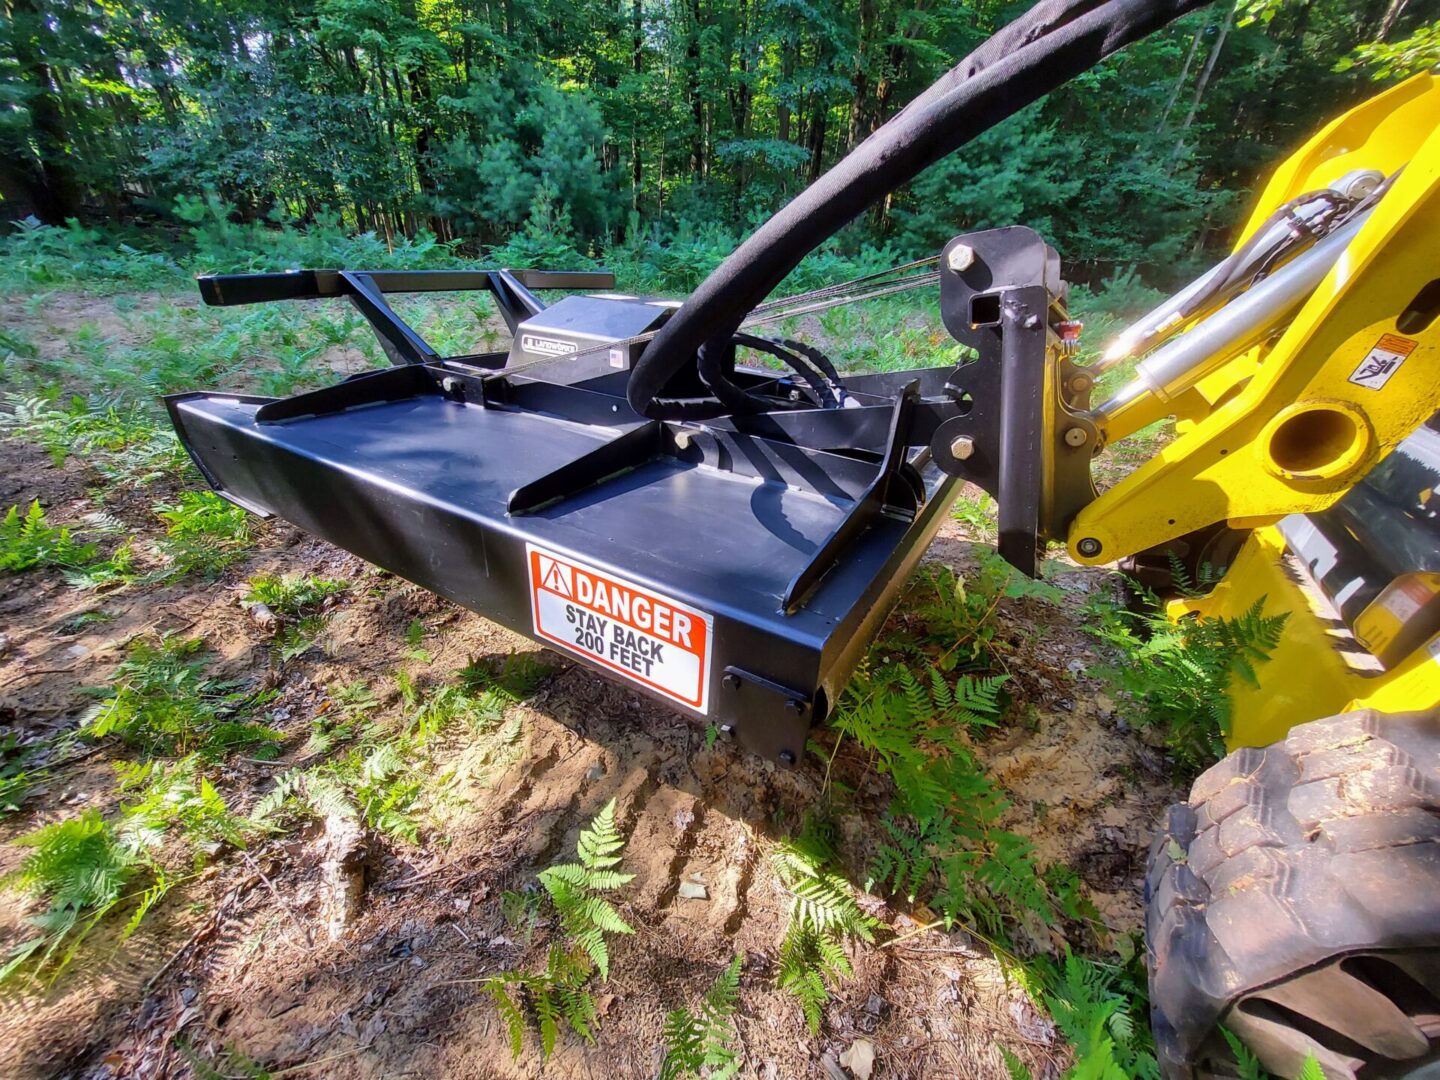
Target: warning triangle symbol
555	577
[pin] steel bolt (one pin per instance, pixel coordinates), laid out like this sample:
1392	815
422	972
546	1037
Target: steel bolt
1076	436
450	384
962	447
962	257
1031	322
727	730
732	682
787	758
1089	547
794	707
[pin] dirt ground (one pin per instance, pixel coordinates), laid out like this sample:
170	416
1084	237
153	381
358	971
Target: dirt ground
239	958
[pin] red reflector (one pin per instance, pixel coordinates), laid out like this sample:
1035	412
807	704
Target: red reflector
1070	330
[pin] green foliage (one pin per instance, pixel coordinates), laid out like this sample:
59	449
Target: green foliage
294	596
204	533
128	445
1385	60
977	514
575	889
179	796
29	541
1101	1014
703	1044
300	604
79	868
823	918
952	620
558	993
1180	673
19	771
372	782
163	703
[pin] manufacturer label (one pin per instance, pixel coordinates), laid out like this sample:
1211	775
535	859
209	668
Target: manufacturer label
617	358
549	346
648	638
1382	361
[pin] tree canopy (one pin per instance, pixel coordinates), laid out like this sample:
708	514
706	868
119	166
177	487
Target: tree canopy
599	119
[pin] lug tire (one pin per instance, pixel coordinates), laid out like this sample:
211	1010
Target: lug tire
1295	901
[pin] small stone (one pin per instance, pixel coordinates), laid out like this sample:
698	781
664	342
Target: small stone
76	652
859	1059
595	772
462	903
693	890
875	1005
187	995
4	644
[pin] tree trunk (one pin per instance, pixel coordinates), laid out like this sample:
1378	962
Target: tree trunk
1202	83
1180	81
53	192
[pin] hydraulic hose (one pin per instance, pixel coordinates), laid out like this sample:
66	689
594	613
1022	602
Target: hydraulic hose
1050	44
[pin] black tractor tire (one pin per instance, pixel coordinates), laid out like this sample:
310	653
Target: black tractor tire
1295	902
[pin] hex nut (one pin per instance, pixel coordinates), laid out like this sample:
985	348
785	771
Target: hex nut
1088	546
961	257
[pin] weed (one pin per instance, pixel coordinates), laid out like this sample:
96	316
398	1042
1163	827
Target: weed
118	569
703	1044
558	993
178	796
977	515
126	444
521	910
30	541
300	604
164	704
1180	673
414	635
823	917
83	621
19	771
371	782
952	619
80	867
294	596
204	534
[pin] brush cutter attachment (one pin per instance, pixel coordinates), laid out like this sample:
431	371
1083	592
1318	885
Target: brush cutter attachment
616	485
734	567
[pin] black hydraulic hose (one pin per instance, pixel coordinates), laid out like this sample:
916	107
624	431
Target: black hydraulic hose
1050	44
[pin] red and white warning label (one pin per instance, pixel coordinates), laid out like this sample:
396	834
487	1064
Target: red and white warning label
654	640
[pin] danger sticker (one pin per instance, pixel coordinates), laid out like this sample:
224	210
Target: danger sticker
651	639
1382	361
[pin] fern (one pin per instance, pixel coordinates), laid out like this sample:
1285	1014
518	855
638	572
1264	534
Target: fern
559	993
1181	673
703	1043
80	868
204	534
573	888
163	703
30	541
1103	1020
823	917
